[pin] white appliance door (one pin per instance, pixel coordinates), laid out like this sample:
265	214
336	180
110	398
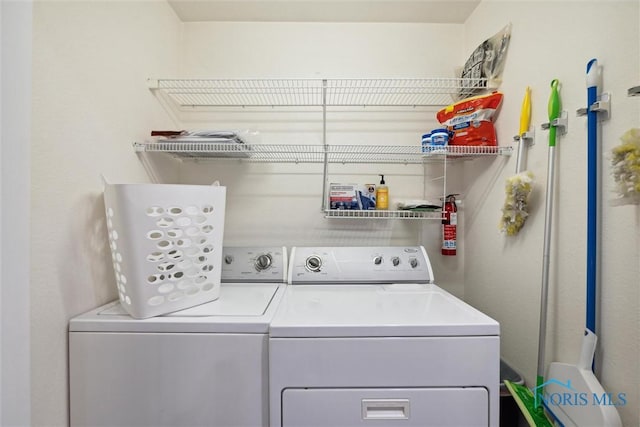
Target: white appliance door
394	310
166	379
408	407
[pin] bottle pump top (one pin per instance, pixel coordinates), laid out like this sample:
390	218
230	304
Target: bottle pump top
382	180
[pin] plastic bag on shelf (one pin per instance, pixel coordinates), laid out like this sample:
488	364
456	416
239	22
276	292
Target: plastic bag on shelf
471	120
486	62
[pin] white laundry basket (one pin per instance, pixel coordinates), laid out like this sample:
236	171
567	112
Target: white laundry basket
166	245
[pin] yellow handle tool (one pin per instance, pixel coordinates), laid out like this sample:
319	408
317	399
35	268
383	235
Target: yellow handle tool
525	112
525	119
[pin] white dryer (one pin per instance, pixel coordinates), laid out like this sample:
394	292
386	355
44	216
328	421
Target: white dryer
364	337
207	365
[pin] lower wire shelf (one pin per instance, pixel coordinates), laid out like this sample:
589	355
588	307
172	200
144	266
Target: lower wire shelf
335	154
382	214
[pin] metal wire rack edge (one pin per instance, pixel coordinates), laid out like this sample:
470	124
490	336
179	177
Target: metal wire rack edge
318	92
383	214
299	153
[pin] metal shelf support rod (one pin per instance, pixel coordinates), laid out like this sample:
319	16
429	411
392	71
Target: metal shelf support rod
325	174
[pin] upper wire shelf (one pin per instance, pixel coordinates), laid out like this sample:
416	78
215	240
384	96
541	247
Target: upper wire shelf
279	153
419	92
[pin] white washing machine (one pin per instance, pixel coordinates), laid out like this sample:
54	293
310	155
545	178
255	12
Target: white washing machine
363	337
207	365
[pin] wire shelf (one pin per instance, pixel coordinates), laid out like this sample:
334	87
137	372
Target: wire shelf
420	92
382	214
279	153
317	93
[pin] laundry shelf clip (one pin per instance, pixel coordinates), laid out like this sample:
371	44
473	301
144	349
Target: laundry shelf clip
602	106
561	123
528	138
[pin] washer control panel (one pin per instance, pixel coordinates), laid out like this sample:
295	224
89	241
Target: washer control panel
390	264
254	264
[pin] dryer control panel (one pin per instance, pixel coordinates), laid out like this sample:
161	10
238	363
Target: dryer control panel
349	265
254	264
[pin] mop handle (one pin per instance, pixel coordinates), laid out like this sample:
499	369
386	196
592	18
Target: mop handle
592	192
546	257
554	113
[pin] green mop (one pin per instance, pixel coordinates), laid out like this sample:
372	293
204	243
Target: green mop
531	404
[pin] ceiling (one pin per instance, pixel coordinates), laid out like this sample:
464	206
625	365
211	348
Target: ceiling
419	11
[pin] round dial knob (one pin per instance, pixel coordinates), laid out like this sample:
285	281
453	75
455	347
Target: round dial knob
228	259
395	261
314	263
413	262
263	262
377	260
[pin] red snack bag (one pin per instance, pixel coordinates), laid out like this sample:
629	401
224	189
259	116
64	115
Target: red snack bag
471	120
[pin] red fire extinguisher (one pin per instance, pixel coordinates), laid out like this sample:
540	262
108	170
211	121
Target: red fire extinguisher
449	224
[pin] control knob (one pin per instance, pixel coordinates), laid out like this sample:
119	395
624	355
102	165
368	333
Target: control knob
314	263
263	262
413	262
228	259
377	260
395	261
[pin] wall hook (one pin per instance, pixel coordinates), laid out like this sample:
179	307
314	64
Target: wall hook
562	123
528	138
602	106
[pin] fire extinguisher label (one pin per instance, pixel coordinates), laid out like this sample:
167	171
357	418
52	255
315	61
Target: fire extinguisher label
449	240
453	218
449	244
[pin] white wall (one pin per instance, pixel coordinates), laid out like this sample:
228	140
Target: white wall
90	102
503	275
15	125
281	204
